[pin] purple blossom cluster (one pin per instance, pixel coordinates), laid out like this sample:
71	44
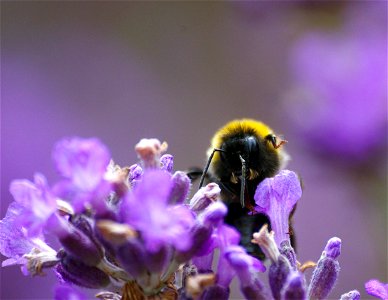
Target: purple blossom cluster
133	233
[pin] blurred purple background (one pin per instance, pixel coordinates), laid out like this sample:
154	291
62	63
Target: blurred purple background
120	71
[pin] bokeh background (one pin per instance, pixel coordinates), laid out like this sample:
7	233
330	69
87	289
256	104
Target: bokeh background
316	72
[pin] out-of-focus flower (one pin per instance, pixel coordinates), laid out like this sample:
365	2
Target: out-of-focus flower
276	197
147	210
150	151
83	163
326	273
377	289
37	201
338	95
67	292
15	244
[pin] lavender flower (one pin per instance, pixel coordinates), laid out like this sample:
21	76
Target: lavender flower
37	201
133	228
377	289
276	197
348	94
280	267
83	163
146	209
326	273
32	253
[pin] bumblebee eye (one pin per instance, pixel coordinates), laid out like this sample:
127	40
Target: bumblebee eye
272	139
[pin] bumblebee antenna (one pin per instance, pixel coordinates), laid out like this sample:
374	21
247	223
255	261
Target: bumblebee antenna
242	189
207	166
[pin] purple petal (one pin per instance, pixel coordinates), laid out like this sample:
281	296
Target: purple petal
83	161
276	197
37	202
12	236
377	289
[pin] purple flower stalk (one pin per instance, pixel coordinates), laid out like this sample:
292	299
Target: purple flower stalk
280	266
276	197
377	289
326	272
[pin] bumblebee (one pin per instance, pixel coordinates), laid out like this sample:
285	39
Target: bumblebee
242	154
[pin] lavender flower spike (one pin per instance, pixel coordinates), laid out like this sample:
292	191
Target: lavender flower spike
377	289
280	267
276	197
352	295
327	270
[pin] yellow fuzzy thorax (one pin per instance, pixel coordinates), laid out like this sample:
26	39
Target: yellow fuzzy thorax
241	125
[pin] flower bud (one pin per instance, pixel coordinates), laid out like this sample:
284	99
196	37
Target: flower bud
74	271
352	295
326	272
76	242
204	197
278	273
167	162
180	188
132	256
